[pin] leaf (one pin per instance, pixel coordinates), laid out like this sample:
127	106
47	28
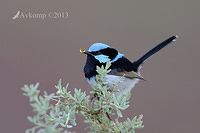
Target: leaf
69	126
73	122
113	106
82	97
134	119
67	109
52	113
128	96
87	121
119	113
30	119
56	124
63	125
59	86
35	87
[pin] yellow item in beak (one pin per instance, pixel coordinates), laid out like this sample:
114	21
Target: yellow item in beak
82	51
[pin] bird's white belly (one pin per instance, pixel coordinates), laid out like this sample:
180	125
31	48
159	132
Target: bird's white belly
121	85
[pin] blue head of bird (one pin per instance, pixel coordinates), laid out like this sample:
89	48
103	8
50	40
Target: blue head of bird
103	53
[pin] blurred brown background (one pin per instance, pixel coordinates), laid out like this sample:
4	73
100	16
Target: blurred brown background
36	50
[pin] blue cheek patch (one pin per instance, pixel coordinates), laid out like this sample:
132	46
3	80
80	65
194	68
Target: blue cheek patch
102	58
105	58
117	57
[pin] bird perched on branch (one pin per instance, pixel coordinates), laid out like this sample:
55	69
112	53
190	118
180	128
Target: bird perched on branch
123	72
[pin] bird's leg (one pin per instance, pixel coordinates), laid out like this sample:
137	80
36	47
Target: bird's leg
95	95
108	116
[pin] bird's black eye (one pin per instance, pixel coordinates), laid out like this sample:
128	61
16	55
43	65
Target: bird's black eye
98	53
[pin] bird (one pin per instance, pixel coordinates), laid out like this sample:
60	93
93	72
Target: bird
123	72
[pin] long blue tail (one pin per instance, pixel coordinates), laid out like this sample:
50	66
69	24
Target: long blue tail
154	50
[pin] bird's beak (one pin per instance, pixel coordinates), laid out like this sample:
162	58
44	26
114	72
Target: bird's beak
85	52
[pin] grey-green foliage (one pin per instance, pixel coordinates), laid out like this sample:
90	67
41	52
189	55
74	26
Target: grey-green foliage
49	116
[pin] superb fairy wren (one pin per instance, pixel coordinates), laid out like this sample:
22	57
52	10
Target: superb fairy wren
123	71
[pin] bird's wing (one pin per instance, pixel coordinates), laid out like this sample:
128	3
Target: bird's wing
130	74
